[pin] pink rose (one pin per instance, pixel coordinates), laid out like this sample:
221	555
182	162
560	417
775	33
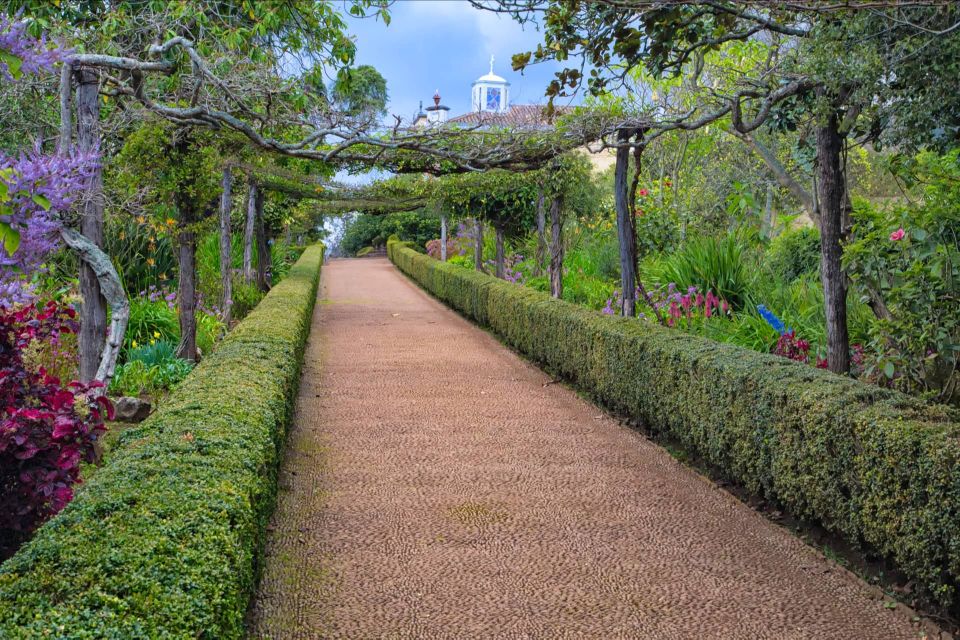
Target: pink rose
898	234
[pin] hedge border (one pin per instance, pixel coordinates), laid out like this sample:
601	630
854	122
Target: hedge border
164	540
871	465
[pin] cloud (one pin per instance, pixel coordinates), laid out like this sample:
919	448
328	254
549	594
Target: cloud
498	35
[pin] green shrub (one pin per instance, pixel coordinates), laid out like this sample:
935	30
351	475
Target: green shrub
209	284
150	321
794	253
365	252
596	255
366	230
163	540
585	290
136	377
209	330
246	296
154	352
140	254
870	464
156	322
151	368
467	262
709	264
282	257
910	256
208	268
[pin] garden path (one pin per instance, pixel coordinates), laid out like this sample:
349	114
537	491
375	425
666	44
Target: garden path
436	486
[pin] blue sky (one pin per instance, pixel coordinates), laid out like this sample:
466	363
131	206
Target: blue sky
446	45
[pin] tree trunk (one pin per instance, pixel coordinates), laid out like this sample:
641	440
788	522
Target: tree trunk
187	290
625	229
830	172
186	261
443	238
556	247
93	312
501	270
541	235
478	248
766	222
248	232
263	247
66	114
99	262
226	261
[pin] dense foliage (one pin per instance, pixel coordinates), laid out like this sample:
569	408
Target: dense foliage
46	428
910	254
369	230
162	542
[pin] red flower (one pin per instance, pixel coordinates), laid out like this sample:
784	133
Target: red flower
644	192
898	235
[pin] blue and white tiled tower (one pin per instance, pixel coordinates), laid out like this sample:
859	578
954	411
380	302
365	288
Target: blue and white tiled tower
491	93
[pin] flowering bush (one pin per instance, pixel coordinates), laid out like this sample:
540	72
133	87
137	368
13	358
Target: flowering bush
464	239
34	187
790	346
909	256
511	268
676	308
433	248
46	428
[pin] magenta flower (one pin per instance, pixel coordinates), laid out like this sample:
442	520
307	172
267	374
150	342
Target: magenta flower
898	235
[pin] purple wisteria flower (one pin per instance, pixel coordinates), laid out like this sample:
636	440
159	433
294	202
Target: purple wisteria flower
613	303
39	189
30	55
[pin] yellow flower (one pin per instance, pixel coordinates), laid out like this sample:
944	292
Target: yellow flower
151	261
153	342
156	334
134	344
141	219
171	222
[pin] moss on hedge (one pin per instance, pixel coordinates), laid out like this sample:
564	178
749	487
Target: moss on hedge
872	465
163	541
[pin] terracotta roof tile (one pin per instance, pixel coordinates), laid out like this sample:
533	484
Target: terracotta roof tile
519	115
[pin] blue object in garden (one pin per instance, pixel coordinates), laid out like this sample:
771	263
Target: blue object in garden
771	319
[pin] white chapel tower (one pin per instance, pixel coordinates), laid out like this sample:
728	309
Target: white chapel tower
491	93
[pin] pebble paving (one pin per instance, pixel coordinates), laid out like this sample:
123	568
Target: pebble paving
438	486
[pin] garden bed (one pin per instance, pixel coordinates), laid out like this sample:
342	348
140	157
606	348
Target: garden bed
164	539
871	465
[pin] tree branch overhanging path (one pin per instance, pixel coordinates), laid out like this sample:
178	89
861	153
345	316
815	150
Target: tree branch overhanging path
846	100
354	140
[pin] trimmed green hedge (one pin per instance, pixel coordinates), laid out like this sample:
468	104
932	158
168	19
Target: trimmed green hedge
163	541
872	465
